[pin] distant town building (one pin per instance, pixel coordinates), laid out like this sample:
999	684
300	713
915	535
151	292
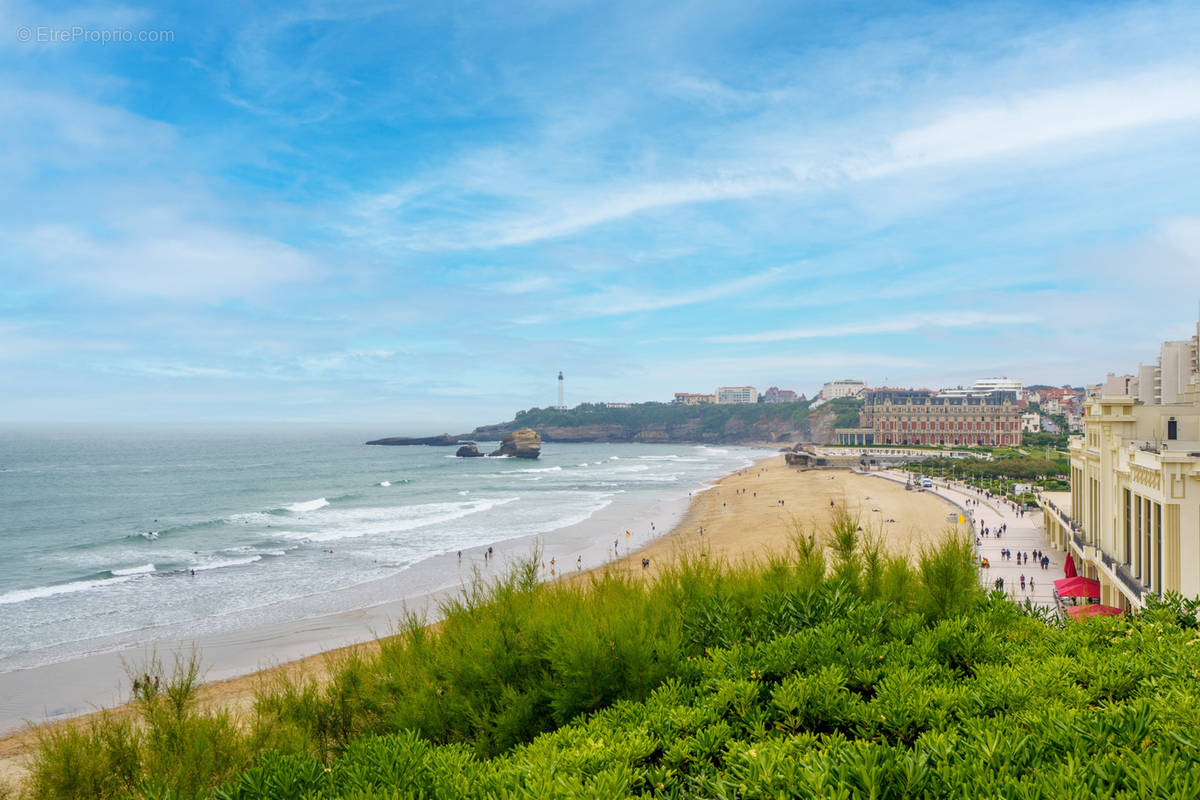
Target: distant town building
690	399
737	394
1120	384
777	395
617	405
1031	422
846	387
946	418
984	387
997	385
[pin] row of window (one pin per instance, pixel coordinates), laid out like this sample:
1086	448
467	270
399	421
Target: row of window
948	426
943	439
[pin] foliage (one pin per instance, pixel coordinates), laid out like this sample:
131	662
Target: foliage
847	410
1011	467
861	677
1058	441
709	418
858	700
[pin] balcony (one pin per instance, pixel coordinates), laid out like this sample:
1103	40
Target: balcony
1126	577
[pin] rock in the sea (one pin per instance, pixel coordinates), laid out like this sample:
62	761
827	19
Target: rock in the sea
469	451
523	443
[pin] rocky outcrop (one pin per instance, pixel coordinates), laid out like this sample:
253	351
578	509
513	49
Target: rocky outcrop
523	443
468	451
445	440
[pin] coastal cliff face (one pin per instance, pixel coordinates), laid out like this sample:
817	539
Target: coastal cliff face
817	428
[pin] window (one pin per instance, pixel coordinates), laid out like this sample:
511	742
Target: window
1172	429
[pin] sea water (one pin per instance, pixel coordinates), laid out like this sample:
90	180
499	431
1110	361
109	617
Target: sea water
117	536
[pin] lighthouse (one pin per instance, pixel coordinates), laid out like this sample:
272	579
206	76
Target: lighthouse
560	396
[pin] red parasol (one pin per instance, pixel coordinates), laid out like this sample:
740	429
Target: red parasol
1069	567
1077	612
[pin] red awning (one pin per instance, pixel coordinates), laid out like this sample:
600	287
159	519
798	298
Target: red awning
1078	612
1077	587
1069	567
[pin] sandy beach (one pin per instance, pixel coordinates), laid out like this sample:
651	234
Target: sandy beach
746	514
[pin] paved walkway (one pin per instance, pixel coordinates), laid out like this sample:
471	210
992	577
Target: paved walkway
1025	534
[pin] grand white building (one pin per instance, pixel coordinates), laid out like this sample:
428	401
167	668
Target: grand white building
1133	521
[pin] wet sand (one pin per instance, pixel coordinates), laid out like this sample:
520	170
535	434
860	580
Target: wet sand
741	517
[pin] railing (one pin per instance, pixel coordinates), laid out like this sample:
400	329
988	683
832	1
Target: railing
1065	517
1131	583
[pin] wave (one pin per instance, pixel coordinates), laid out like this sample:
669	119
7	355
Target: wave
142	570
40	592
222	563
359	522
541	469
308	505
634	468
385	483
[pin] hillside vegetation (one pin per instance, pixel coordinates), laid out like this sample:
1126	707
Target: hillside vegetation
836	675
712	418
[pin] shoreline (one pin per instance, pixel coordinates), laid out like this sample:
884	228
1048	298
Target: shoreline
741	515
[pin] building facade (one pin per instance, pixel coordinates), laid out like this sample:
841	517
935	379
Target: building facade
920	417
845	387
1133	520
777	395
737	394
692	399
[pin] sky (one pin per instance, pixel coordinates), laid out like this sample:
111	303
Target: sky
414	215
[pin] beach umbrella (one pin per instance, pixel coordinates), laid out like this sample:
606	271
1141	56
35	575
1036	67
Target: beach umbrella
1077	587
1069	567
1078	612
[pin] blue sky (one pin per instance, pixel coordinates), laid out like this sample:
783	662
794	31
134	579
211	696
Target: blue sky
415	215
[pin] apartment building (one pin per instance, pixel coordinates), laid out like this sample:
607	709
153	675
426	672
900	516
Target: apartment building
737	394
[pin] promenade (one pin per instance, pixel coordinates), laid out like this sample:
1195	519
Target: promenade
1025	534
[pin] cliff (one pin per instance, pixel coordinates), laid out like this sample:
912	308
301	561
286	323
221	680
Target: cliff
816	428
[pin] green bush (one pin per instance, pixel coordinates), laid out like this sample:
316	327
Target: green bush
787	678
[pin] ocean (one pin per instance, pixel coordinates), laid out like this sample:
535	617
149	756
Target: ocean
120	537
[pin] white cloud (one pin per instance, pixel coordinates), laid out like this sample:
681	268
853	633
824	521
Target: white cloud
950	319
1040	118
167	259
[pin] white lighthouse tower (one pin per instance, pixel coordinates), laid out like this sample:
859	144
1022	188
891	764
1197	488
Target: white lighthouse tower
560	388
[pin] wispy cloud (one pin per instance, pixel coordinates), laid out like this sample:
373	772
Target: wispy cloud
914	322
169	259
614	304
1041	118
